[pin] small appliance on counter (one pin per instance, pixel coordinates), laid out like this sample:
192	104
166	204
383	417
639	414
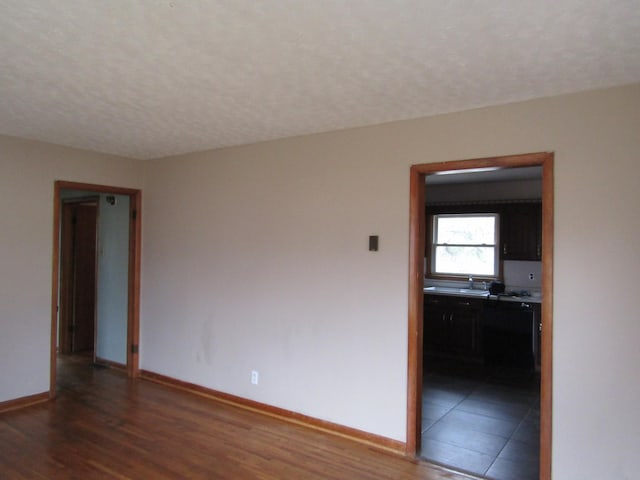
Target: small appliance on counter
496	288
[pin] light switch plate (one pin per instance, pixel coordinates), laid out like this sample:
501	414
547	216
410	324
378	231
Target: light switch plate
373	243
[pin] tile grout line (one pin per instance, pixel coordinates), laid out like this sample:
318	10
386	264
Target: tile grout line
477	384
508	440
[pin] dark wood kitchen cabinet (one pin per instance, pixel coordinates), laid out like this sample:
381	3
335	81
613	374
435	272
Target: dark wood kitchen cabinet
521	231
537	334
436	323
452	326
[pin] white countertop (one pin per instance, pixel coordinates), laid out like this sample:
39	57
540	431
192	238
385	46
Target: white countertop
481	294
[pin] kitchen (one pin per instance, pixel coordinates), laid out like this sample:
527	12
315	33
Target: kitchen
482	297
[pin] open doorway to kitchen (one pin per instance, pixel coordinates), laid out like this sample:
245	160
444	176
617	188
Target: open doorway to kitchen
454	350
95	275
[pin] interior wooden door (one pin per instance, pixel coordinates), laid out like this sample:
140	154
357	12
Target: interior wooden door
78	277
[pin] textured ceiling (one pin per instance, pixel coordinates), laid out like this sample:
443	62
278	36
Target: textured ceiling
152	78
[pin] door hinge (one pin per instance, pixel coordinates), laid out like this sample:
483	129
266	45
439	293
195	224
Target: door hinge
134	215
134	348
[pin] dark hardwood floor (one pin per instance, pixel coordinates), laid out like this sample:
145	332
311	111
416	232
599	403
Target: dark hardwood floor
104	425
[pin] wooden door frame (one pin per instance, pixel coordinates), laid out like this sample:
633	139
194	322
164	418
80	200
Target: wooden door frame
416	282
62	328
133	295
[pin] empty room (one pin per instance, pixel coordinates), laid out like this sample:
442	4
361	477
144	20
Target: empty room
351	240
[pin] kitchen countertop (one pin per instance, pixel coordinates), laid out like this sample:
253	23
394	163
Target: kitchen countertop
481	294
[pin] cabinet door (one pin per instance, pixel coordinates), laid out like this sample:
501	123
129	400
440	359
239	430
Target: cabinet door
464	327
537	335
451	326
436	325
462	332
520	231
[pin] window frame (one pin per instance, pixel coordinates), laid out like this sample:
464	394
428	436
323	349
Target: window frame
432	245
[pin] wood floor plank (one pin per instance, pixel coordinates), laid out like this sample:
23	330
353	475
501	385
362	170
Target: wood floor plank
104	425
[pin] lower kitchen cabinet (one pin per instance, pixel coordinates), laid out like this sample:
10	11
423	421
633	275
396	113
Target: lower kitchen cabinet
452	326
478	330
537	335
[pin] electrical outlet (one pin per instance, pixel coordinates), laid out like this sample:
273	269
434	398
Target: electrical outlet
532	276
255	377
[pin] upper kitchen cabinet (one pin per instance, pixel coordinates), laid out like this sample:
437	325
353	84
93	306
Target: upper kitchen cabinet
521	231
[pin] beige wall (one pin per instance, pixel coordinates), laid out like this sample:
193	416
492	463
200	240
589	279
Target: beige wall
256	258
27	174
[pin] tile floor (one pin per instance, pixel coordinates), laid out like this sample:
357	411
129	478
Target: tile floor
481	421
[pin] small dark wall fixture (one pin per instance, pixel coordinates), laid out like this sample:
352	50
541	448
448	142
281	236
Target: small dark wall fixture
373	243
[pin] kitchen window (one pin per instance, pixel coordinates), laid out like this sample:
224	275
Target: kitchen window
465	245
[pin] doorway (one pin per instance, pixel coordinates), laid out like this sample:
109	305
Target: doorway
76	332
416	285
74	297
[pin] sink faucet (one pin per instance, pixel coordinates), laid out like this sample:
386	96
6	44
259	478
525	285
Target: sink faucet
470	282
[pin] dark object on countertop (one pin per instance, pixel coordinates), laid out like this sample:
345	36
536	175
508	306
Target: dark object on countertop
496	288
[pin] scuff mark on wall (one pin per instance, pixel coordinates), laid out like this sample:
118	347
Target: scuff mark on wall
204	353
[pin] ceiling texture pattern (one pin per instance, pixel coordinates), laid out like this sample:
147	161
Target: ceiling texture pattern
152	78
